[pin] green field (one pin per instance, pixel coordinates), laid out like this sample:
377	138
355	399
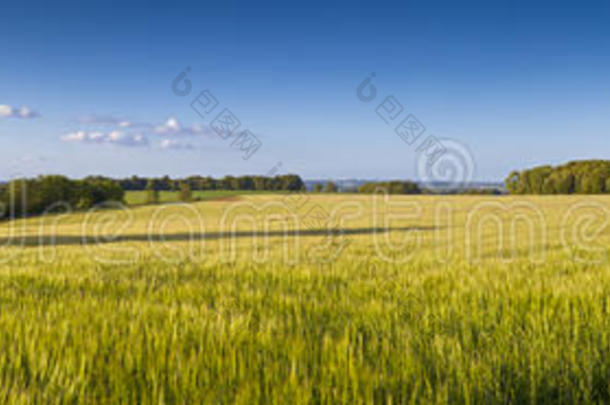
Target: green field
414	300
140	197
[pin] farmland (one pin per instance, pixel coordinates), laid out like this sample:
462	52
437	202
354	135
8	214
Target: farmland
322	299
133	198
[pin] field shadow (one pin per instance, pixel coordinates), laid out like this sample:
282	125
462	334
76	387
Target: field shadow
59	240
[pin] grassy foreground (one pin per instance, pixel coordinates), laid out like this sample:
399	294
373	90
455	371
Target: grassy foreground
429	311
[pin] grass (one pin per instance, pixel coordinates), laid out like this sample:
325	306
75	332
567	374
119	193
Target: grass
430	312
140	197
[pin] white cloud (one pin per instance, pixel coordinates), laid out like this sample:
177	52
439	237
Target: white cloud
101	120
7	111
26	112
127	139
79	136
174	144
97	136
112	138
100	129
173	127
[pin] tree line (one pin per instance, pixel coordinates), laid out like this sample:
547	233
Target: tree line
35	196
288	182
579	177
26	197
391	187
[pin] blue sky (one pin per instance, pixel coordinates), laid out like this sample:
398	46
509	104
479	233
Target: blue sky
516	83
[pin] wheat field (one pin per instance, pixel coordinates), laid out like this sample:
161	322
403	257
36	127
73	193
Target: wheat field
310	299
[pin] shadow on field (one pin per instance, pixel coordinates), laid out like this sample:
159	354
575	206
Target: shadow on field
57	240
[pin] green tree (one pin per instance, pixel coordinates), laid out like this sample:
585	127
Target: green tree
246	183
592	183
581	177
390	187
24	197
152	192
317	188
259	182
184	193
330	187
291	182
512	182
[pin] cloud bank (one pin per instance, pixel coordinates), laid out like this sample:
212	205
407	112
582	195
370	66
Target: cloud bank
112	138
173	127
106	129
7	111
175	144
108	120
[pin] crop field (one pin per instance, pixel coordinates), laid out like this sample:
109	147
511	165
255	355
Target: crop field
310	299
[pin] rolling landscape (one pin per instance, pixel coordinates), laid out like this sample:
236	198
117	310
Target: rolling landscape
310	203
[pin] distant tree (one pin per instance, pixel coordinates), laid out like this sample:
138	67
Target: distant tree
291	182
580	177
512	182
259	182
166	183
330	187
592	183
350	189
101	190
49	190
390	187
207	183
184	193
245	183
551	184
228	183
18	199
194	182
25	197
235	183
535	178
35	195
563	182
317	188
152	192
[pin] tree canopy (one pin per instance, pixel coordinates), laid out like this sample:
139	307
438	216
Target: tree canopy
288	182
25	197
391	187
579	177
35	196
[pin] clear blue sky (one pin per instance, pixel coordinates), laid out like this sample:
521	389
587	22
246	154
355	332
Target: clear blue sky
519	82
